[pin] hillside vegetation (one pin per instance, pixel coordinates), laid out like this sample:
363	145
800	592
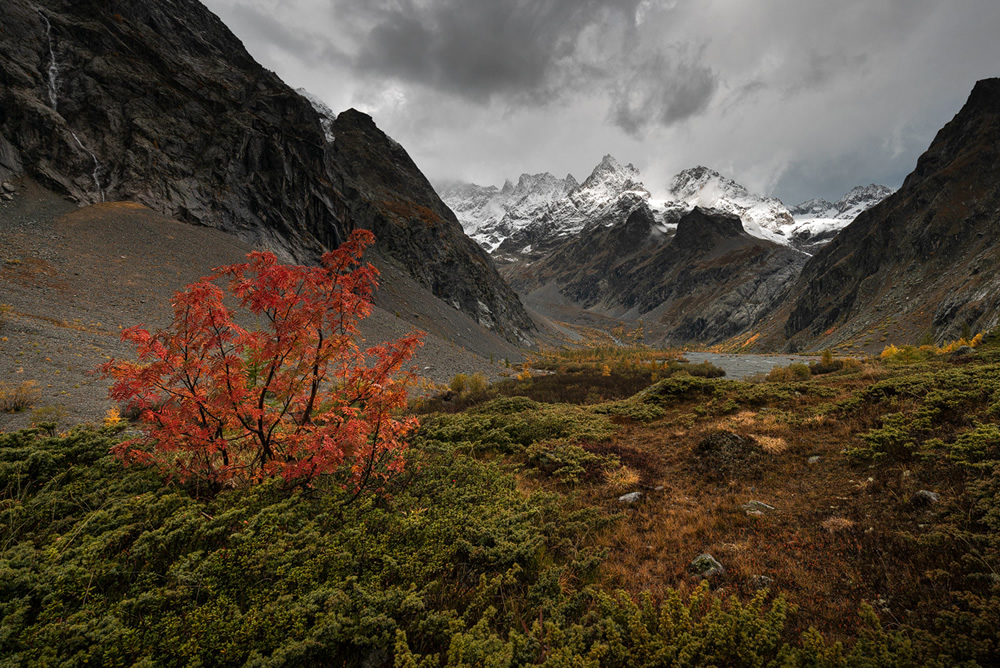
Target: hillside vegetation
855	515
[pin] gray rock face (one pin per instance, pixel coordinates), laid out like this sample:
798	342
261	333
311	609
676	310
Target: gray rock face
709	281
156	101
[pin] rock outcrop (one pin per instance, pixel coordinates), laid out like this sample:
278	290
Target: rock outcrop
159	103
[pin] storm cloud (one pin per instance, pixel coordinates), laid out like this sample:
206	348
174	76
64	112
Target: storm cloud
663	88
480	49
796	99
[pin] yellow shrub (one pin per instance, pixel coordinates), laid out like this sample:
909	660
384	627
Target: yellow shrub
14	398
113	417
889	352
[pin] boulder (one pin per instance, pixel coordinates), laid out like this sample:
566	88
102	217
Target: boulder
705	566
631	497
924	498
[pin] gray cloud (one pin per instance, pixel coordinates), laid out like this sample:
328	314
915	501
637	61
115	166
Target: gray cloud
663	88
803	99
480	49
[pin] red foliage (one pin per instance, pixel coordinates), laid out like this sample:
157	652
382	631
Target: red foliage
294	395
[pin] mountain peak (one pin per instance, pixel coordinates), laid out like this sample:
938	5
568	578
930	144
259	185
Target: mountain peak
607	183
705	187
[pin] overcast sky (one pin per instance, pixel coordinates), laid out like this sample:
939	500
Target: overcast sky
794	98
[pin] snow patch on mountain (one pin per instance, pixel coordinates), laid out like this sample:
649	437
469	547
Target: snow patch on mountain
817	220
326	115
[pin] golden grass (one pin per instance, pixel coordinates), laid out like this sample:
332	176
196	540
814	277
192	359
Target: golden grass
773	445
621	478
837	524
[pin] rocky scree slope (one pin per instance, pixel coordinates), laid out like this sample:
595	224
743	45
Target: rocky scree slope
159	103
707	282
927	255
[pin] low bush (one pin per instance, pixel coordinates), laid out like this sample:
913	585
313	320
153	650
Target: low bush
454	566
793	372
18	397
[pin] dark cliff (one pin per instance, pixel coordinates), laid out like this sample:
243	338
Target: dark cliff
926	255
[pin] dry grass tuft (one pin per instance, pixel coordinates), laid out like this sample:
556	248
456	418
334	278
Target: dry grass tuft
772	445
14	398
621	478
837	524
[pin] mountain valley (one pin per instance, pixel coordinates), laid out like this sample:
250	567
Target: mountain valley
592	461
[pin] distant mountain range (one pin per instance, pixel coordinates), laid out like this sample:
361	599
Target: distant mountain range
884	265
527	219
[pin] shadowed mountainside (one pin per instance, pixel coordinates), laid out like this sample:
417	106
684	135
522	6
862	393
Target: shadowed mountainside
708	281
159	103
926	258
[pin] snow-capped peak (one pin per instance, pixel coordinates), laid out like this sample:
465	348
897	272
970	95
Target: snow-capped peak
609	180
763	217
857	199
861	198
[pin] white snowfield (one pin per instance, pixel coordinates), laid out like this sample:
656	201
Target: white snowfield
547	206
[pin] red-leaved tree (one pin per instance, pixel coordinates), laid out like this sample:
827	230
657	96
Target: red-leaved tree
293	395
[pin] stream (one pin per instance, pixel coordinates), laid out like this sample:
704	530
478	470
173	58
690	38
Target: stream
740	366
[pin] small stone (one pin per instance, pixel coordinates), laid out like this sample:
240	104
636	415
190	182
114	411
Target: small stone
815	459
631	497
9	187
757	508
706	566
8	197
924	498
760	582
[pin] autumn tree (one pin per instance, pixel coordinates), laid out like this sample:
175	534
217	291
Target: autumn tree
224	402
